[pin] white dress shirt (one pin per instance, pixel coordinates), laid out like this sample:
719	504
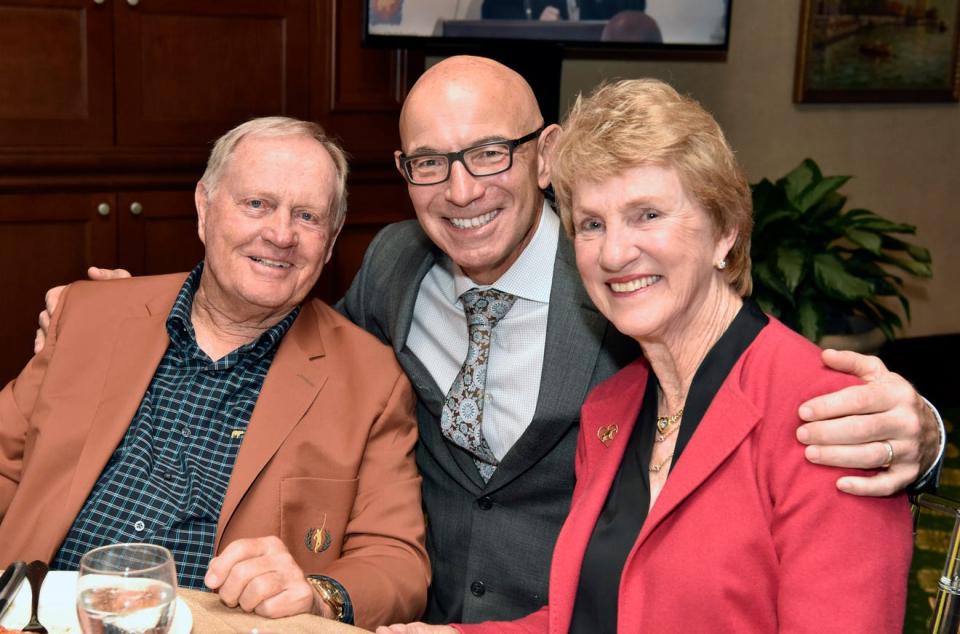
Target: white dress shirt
438	334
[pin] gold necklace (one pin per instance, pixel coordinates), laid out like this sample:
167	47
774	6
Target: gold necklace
655	468
658	437
665	421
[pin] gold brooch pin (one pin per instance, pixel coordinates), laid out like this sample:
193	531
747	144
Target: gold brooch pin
237	433
606	434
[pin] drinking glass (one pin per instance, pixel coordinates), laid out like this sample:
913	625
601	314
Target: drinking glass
128	588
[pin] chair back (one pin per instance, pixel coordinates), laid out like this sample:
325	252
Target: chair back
946	607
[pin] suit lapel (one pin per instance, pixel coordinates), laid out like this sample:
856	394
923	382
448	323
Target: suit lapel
454	460
138	345
291	386
575	332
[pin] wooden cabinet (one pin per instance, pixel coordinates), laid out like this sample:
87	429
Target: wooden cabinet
56	73
117	102
189	70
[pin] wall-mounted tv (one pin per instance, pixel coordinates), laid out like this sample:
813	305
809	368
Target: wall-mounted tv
592	26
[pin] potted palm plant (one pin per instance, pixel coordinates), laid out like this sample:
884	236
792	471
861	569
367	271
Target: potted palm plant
821	269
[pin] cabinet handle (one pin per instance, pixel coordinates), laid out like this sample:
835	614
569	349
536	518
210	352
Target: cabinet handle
103	209
99	1
136	208
133	3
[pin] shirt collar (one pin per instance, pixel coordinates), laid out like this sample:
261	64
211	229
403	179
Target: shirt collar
531	276
184	339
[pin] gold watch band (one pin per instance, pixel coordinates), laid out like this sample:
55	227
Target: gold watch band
329	594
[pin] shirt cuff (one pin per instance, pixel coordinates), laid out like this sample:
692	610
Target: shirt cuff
930	480
347	603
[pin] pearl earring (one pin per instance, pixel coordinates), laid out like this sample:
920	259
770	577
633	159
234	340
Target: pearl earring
722	264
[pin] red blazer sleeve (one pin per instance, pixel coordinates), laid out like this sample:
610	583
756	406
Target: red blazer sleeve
864	543
534	623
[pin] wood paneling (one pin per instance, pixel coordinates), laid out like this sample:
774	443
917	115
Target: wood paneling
126	99
46	240
189	70
157	232
56	73
358	91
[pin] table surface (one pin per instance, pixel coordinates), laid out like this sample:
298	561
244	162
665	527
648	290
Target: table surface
210	616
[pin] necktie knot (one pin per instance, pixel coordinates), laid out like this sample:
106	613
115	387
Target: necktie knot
484	308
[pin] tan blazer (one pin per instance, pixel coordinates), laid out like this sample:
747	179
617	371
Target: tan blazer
329	445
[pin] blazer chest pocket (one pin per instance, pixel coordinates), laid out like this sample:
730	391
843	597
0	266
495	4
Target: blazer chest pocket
313	517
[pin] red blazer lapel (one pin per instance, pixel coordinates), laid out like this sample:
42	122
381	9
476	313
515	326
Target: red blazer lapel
597	466
728	421
291	386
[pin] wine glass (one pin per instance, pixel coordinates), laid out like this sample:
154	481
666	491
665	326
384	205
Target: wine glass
129	588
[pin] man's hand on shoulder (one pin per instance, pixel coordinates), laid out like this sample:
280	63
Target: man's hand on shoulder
52	298
861	426
260	575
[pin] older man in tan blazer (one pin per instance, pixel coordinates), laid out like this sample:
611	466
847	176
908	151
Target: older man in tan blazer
307	466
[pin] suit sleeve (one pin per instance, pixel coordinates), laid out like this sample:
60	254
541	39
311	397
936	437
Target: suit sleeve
384	565
864	543
17	402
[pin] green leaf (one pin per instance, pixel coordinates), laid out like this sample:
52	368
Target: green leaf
764	194
866	239
835	281
815	193
829	207
886	314
920	269
866	219
809	320
918	253
790	264
801	177
767	279
766	305
762	223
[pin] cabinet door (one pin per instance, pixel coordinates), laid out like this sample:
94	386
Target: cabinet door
189	70
56	73
356	94
158	232
46	240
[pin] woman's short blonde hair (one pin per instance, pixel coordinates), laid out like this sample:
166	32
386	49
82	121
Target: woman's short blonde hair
637	122
274	127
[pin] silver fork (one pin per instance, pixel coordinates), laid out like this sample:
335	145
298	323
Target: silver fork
36	571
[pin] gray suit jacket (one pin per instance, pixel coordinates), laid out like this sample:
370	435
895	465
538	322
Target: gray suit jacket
490	546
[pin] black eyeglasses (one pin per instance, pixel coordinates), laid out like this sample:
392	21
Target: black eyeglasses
485	159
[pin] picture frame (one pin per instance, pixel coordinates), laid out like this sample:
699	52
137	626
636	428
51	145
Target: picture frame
878	51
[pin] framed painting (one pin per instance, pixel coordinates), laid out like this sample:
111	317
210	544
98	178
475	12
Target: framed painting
878	51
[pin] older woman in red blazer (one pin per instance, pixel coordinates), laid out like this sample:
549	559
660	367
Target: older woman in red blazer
695	510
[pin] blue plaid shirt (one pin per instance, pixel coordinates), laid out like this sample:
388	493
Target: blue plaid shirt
165	482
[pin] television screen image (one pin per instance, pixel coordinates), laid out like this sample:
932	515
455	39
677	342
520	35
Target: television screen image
588	24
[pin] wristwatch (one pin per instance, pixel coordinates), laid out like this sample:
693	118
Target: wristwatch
329	594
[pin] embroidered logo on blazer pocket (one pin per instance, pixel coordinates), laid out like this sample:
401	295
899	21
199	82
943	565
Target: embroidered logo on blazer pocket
315	512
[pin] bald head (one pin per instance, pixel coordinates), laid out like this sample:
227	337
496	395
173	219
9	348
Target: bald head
466	83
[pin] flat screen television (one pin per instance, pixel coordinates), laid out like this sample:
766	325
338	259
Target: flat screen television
651	28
